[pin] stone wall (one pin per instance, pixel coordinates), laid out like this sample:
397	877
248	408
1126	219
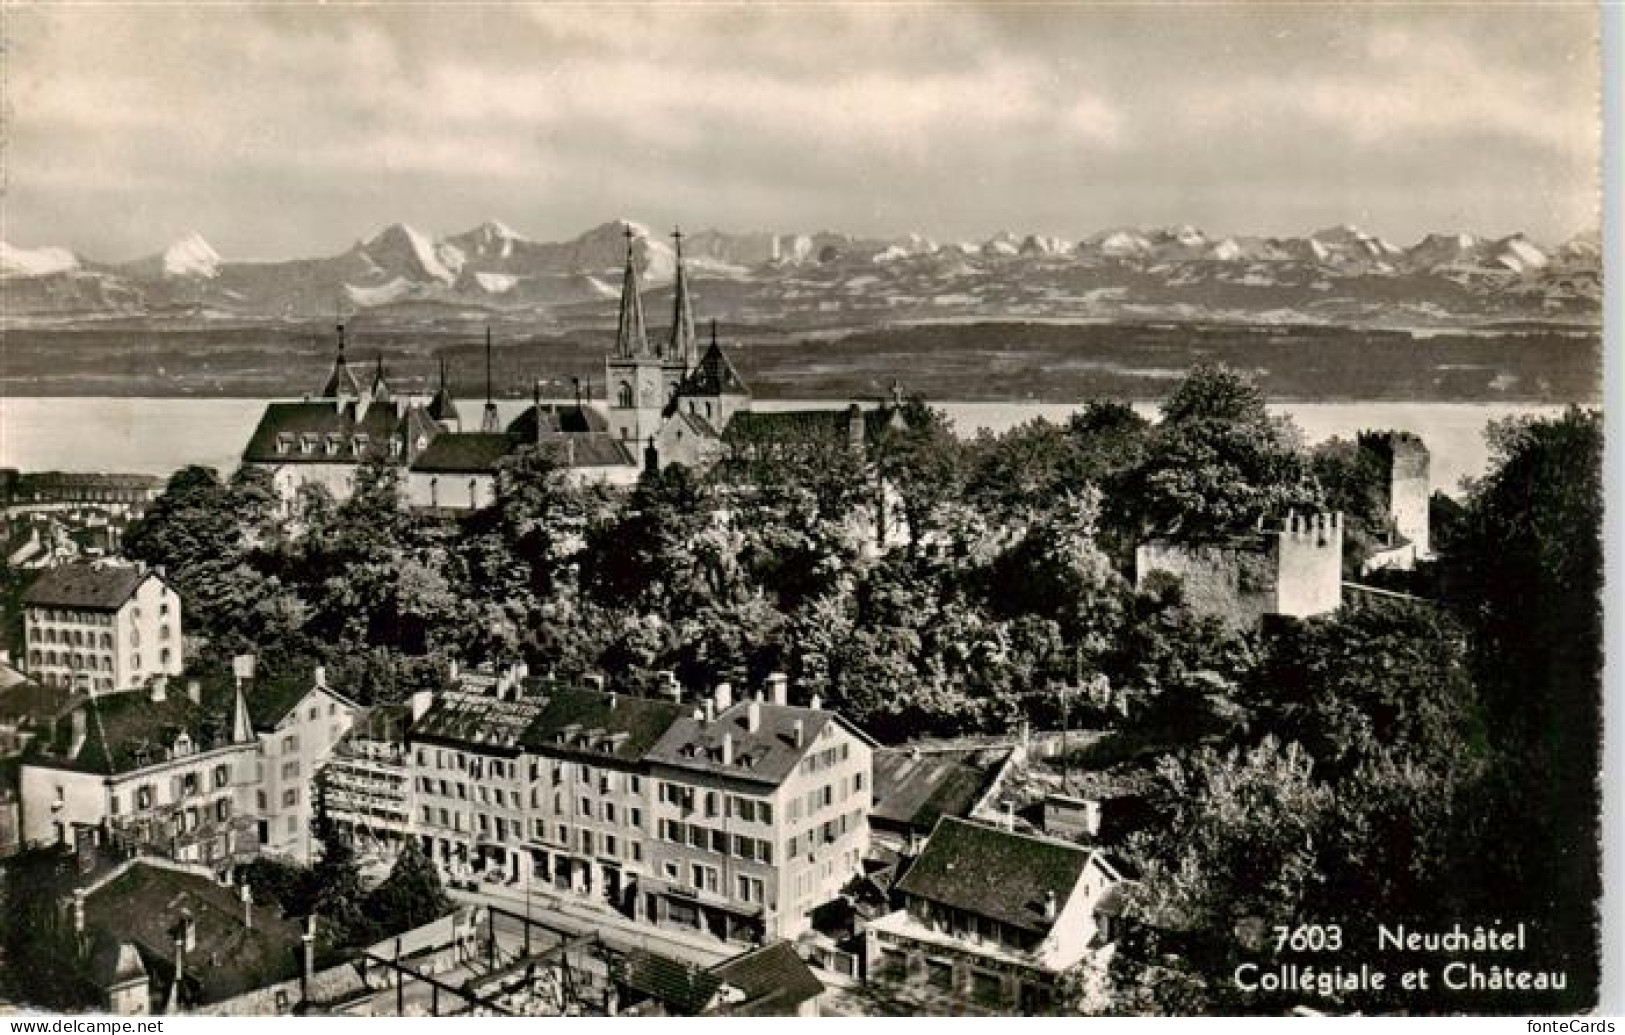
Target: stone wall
1295	570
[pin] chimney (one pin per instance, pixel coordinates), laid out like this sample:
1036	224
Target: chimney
452	671
800	733
816	703
421	700
778	688
723	696
194	691
80	731
189	930
710	709
246	895
727	749
319	677
242	667
1049	906
753	716
159	689
309	971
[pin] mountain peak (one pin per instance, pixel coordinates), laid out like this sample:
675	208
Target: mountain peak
35	262
191	256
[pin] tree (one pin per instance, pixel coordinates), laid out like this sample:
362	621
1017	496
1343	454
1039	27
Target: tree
921	459
1218	462
411	896
340	894
45	964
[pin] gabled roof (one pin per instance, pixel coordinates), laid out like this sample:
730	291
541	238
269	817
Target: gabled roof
714	375
464	452
774	980
995	873
914	789
342	382
481	722
127	731
682	987
767	755
32	703
86	587
320	419
596	723
833	426
145	904
555	419
594	450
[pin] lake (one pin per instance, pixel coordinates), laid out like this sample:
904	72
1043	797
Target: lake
159	436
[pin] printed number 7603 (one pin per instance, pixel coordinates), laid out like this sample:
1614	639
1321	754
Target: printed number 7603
1309	938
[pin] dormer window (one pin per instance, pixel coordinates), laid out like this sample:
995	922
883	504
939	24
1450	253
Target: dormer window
395	447
359	444
284	442
307	443
183	746
334	442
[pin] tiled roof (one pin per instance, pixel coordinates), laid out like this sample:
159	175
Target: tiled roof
593	450
466	452
831	425
86	586
767	755
774	980
915	789
592	722
127	730
479	721
714	376
557	418
320	419
682	987
31	702
144	905
995	873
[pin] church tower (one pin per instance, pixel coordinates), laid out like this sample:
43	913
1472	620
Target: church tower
636	387
342	387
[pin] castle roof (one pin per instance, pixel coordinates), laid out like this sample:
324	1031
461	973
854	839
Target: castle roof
831	425
320	419
86	587
557	418
465	452
599	449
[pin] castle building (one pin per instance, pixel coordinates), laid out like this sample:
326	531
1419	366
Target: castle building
1402	459
101	628
1294	570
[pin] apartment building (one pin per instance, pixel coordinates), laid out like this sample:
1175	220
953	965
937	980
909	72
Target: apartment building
299	721
365	787
101	628
760	812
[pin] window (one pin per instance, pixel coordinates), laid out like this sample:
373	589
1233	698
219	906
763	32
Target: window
143	797
637	851
189	784
609	844
609	811
744	847
746	809
428	814
290	770
857	781
637	818
696	837
671	870
719	842
290	797
585	808
586	842
135	662
222	775
623	396
637	785
222	809
290	745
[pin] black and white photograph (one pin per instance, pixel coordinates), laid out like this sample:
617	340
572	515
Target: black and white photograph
807	510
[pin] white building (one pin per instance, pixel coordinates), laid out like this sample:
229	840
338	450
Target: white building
101	627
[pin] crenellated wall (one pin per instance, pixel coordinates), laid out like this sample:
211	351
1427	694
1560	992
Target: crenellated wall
1293	570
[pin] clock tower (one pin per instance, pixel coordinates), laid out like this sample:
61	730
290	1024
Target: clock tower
635	381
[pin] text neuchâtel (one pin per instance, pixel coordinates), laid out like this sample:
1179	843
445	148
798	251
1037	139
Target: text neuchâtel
1475	939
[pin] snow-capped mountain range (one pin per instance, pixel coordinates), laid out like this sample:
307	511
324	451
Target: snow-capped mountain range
1333	275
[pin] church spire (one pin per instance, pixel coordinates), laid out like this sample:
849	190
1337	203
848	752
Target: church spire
341	383
489	423
682	316
630	337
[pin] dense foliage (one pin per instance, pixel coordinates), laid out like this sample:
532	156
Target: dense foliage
1352	769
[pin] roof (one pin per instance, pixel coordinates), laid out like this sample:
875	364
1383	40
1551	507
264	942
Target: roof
478	721
914	789
28	701
594	450
342	381
557	418
683	987
144	905
994	873
581	721
379	423
830	425
86	586
464	452
127	731
714	375
767	755
773	978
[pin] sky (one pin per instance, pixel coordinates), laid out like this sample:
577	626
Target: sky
295	130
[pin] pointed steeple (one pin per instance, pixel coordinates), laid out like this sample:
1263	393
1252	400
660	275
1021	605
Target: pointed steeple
341	383
380	387
488	423
441	408
631	339
682	346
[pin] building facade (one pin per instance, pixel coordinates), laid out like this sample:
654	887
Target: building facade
1295	570
102	628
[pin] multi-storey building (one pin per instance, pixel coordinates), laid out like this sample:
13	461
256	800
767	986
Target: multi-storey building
470	775
365	788
298	720
760	813
169	773
590	791
101	627
992	919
